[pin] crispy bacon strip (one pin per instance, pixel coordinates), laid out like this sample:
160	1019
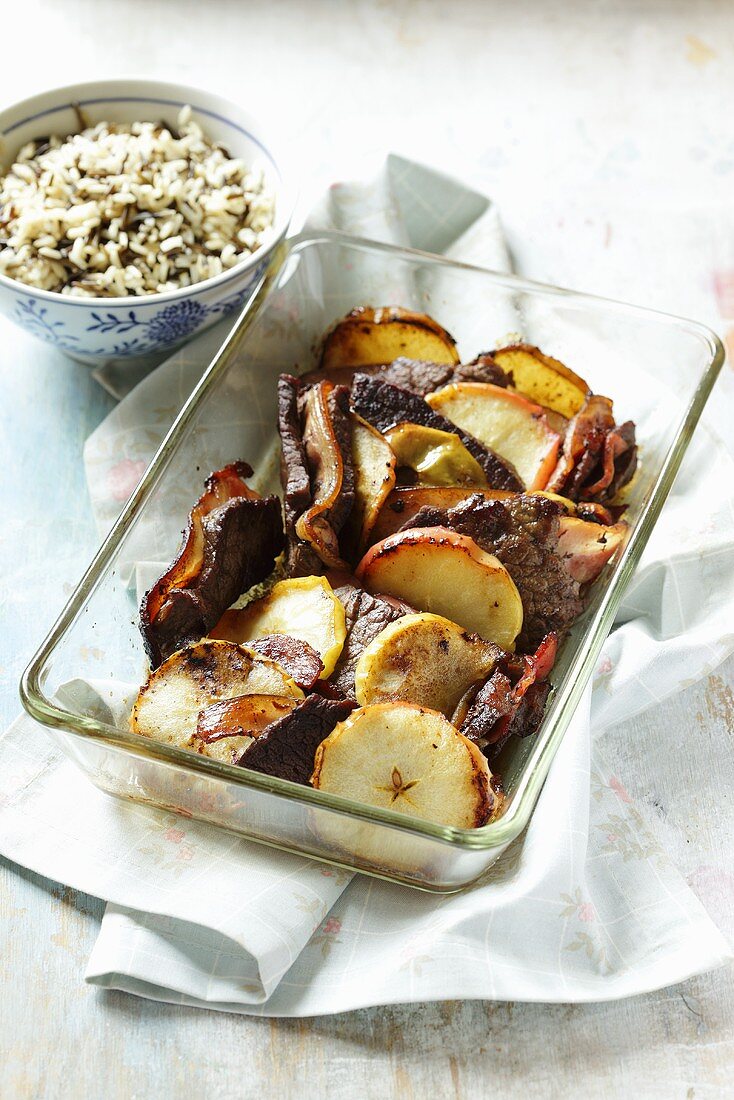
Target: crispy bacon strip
220	487
599	456
512	699
231	541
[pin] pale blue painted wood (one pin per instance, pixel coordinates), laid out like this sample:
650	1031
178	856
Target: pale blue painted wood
49	406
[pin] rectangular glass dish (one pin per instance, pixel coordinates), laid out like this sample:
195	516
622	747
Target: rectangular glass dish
659	371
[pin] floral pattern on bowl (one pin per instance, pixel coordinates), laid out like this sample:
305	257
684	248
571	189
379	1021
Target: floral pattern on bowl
121	332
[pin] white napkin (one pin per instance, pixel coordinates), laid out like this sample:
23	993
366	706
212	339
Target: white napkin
584	907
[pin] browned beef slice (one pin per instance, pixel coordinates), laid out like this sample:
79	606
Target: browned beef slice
286	748
528	716
523	533
296	657
384	405
625	463
418	375
301	560
482	369
366	616
242	539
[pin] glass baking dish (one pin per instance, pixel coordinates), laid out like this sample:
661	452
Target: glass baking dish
658	369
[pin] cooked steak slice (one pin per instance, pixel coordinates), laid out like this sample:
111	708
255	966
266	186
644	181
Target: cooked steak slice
366	617
418	375
286	748
296	657
231	542
385	406
522	532
301	560
528	716
482	369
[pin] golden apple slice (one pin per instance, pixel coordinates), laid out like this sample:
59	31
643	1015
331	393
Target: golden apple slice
302	607
368	337
406	758
543	379
423	659
190	680
435	569
586	547
509	424
374	480
438	457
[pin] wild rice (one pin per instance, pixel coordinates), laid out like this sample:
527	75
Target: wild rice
140	209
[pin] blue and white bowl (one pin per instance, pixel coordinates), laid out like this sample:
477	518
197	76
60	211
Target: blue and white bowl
98	330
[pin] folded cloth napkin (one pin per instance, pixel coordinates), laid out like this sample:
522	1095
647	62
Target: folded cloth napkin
585	906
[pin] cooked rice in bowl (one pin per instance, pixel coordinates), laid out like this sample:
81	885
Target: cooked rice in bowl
137	209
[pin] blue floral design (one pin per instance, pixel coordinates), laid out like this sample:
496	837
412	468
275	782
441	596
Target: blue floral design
176	321
133	335
35	319
113	323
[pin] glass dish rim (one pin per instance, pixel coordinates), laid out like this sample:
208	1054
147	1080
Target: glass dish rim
566	695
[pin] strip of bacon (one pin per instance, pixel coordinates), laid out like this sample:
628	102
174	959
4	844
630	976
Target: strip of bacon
319	525
231	541
599	456
220	487
509	697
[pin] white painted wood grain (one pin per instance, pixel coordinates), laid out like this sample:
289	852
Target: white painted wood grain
604	132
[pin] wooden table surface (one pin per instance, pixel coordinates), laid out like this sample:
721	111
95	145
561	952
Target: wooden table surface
604	132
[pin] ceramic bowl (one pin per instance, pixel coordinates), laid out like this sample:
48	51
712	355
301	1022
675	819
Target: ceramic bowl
99	330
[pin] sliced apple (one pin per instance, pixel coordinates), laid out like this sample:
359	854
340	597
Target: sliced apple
409	759
438	457
302	607
368	337
424	659
435	569
374	479
404	502
169	704
513	427
586	547
543	379
246	715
